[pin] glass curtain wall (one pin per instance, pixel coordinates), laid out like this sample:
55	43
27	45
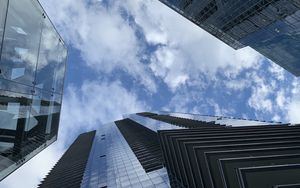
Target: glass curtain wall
32	68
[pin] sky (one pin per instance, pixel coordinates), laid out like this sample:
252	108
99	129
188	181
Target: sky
128	56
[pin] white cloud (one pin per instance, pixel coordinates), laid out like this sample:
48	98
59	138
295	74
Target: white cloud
281	99
293	110
277	71
167	64
237	85
96	103
261	92
293	107
105	39
187	50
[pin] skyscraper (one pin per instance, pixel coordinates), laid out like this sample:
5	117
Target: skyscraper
271	27
32	68
181	150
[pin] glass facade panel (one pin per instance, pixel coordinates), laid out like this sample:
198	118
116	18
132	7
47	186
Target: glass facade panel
119	166
27	122
3	8
32	67
51	63
13	108
60	68
21	41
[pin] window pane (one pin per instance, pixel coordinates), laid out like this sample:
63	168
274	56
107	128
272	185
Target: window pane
53	115
13	107
60	69
44	114
48	57
21	41
14	113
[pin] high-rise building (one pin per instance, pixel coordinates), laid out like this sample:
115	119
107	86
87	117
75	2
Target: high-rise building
32	68
181	150
271	27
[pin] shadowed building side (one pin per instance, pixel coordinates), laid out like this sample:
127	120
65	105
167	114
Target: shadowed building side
69	170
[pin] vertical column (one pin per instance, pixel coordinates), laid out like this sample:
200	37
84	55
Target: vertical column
3	14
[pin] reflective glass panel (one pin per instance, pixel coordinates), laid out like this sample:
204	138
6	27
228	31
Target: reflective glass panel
3	8
60	69
21	41
52	59
14	113
32	67
44	114
48	57
13	107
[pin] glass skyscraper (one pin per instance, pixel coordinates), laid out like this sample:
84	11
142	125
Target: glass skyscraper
32	68
271	27
164	149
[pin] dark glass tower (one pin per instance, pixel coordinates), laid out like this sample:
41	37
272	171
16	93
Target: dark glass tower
272	27
32	69
181	150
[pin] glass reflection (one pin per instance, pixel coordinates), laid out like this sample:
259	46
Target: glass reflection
27	121
13	106
120	166
3	8
21	41
60	69
32	67
52	58
48	57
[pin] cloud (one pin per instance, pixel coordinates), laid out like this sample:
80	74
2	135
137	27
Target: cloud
185	50
260	96
237	84
293	110
95	103
293	107
277	71
104	36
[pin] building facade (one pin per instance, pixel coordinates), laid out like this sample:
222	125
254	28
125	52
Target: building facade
32	68
181	150
271	27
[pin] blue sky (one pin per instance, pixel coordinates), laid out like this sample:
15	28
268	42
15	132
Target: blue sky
128	56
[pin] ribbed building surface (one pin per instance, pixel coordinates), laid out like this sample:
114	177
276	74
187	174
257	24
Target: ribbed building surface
69	170
143	142
182	150
220	157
